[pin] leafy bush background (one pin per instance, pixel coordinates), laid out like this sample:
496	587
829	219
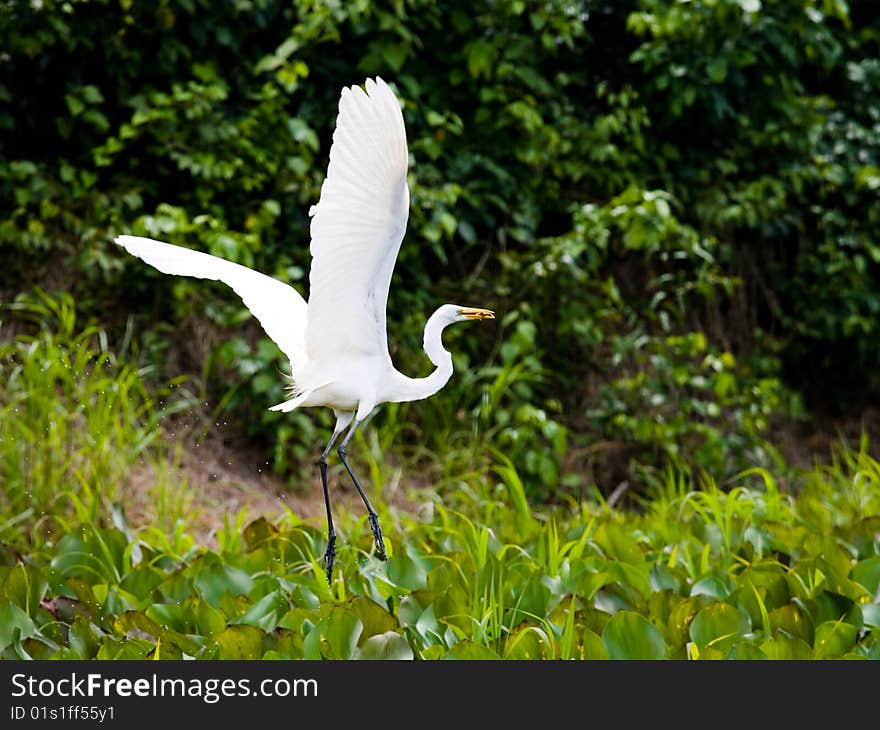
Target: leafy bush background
671	205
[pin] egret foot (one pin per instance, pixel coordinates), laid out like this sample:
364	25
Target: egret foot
377	536
329	558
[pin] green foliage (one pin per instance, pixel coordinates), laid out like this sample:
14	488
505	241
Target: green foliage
701	574
74	418
615	179
692	405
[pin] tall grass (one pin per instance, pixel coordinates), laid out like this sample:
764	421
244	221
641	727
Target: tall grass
75	417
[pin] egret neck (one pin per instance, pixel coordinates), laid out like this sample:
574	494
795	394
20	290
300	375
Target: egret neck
407	388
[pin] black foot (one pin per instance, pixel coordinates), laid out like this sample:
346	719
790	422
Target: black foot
329	558
377	536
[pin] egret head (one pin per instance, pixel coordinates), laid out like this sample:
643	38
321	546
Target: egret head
449	313
446	315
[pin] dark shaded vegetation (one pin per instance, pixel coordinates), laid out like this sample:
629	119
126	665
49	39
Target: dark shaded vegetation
672	206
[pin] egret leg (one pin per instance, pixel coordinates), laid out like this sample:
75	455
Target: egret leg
342	420
374	518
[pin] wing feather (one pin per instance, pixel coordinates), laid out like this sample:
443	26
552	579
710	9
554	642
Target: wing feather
278	307
358	225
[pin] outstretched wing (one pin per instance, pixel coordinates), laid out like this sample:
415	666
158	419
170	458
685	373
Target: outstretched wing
357	226
278	307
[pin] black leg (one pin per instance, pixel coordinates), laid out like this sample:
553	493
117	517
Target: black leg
330	552
374	518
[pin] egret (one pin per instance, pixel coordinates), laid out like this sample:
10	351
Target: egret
337	342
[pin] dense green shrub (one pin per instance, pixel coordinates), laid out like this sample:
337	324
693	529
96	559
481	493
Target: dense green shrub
620	177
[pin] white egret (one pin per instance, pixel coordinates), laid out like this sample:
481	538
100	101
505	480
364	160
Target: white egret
337	343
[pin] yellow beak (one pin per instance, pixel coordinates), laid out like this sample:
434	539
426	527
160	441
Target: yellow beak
474	313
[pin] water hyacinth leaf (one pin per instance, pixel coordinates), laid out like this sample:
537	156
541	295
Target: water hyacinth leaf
661	578
634	576
165	651
629	635
15	624
533	600
84	638
618	544
867	574
660	606
141	581
793	620
615	597
784	647
25	586
593	648
335	636
406	572
678	625
471	650
171	616
833	639
136	622
265	613
84	595
258	532
387	645
208	620
830	606
240	642
91	552
743	650
718	625
416	611
375	618
288	645
215	580
125	649
714	586
871	614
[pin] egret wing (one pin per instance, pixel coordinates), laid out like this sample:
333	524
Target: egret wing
357	226
277	306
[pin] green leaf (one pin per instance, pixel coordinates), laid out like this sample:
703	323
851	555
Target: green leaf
213	580
84	638
867	573
208	620
265	613
593	647
471	651
629	635
74	105
782	647
833	639
871	614
15	624
479	55
375	618
793	620
240	642
719	625
717	70
526	643
335	636
746	650
25	585
388	645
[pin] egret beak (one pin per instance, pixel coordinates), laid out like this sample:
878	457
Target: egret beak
473	313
